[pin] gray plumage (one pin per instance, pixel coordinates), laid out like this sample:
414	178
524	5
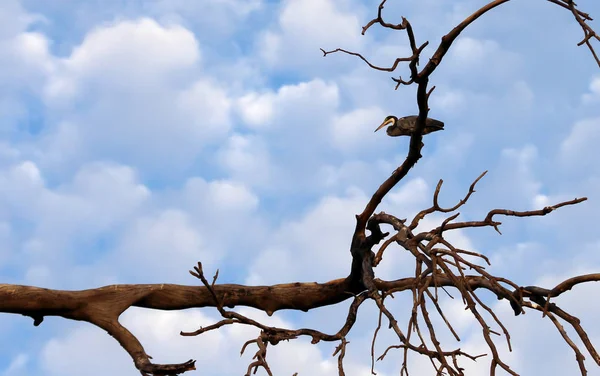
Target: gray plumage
405	126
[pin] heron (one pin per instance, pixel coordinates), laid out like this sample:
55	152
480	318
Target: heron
406	126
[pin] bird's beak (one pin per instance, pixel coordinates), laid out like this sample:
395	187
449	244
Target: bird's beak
388	121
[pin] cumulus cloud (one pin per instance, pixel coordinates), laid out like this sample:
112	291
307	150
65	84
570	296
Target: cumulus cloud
581	142
199	221
25	54
71	353
520	94
256	110
519	166
594	94
14	19
113	191
133	90
359	173
522	159
303	101
99	194
247	158
225	196
471	52
208	106
472	59
291	122
86	349
25	62
297	245
452	101
350	131
104	222
165	240
207	15
302	123
323	236
123	55
304	26
99	198
220	209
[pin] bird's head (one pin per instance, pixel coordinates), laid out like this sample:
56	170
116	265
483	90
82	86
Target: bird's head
389	120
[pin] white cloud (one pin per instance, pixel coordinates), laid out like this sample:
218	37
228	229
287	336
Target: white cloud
104	221
99	198
304	26
357	173
65	145
472	51
456	148
14	19
208	106
290	107
25	62
297	245
70	353
6	239
581	142
297	130
594	94
521	94
519	166
222	195
415	192
482	59
314	95
530	332
165	240
28	53
16	365
353	131
522	156
88	350
451	101
39	275
246	158
128	53
219	208
132	91
207	15
256	110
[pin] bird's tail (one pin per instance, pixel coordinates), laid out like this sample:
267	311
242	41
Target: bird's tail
435	123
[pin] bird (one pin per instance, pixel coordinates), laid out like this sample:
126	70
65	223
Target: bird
406	126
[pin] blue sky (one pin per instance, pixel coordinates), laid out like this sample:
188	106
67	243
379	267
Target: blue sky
139	137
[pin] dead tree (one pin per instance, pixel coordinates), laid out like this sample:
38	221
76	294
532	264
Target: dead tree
438	265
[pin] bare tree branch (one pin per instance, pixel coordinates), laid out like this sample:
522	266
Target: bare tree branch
437	264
